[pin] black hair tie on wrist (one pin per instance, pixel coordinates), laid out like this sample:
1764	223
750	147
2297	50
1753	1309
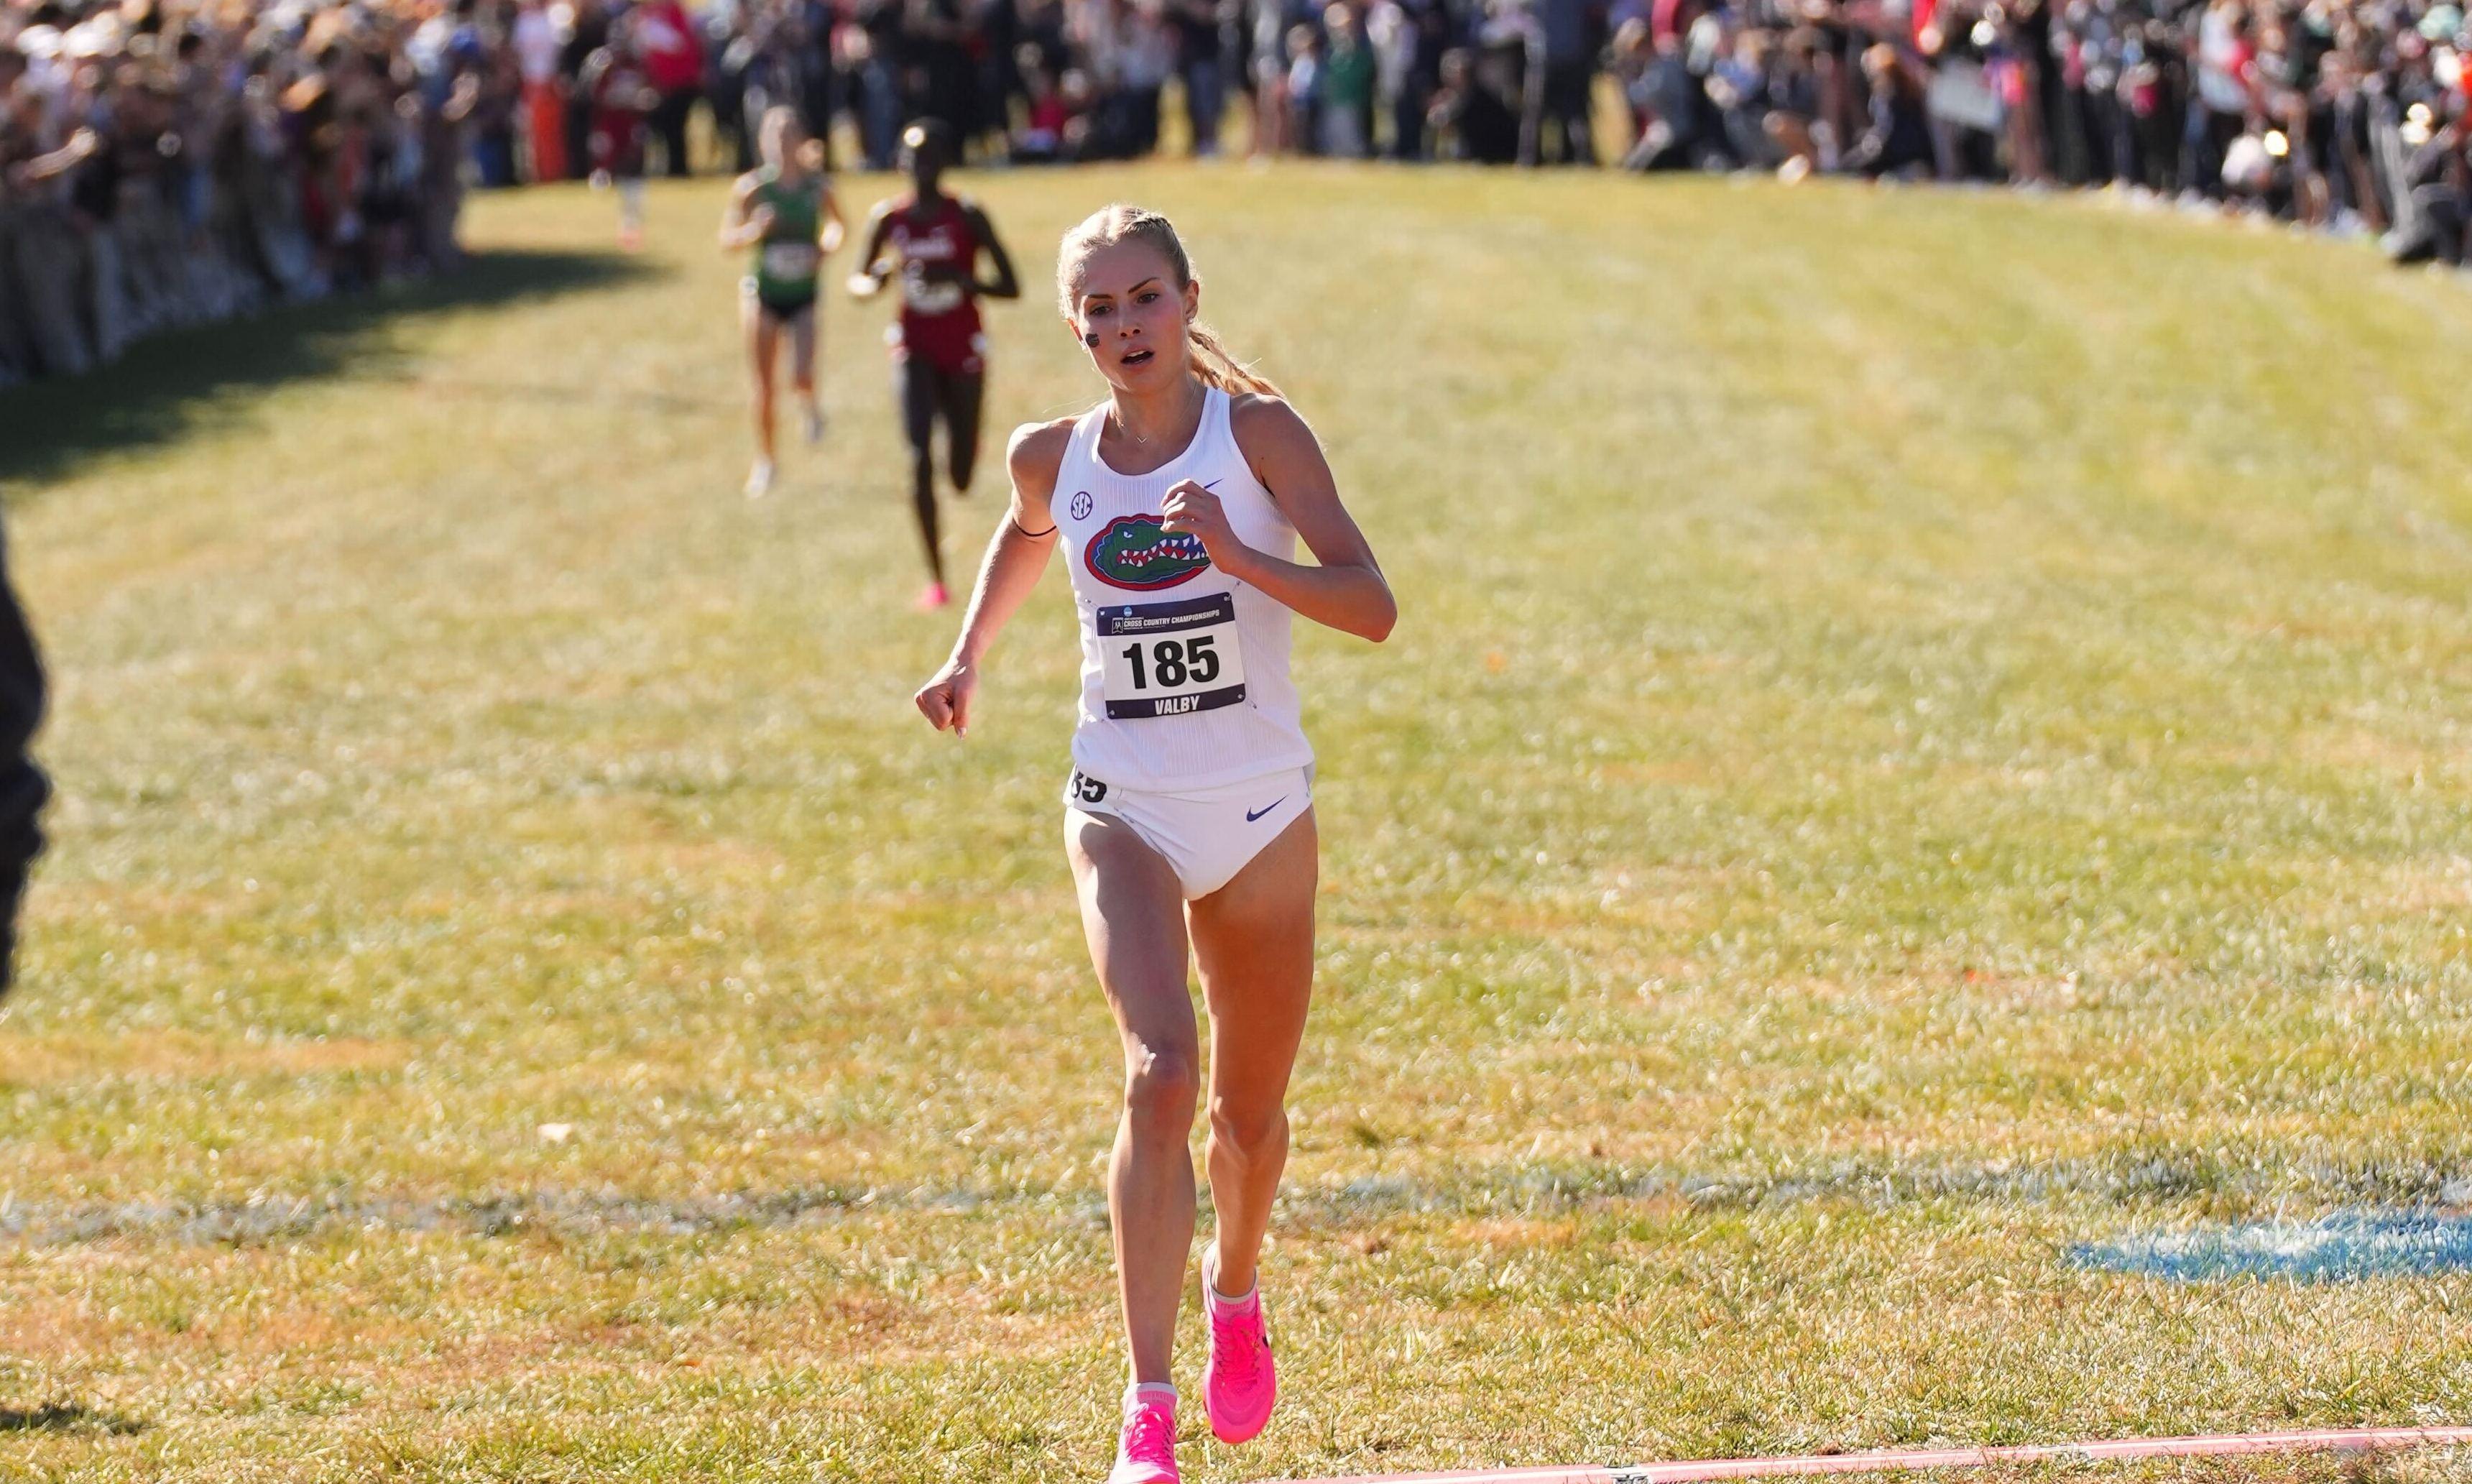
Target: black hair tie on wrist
1032	535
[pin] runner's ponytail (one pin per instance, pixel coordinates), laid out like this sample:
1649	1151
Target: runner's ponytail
1216	368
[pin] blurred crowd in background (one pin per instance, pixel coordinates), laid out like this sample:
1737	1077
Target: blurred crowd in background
169	161
2344	115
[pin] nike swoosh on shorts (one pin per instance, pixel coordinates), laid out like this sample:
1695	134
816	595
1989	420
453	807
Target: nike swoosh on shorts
1250	815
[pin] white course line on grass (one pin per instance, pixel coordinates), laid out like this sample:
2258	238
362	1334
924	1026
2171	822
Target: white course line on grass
1893	1460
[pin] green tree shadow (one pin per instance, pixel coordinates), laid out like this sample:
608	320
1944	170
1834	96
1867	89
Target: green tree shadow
172	385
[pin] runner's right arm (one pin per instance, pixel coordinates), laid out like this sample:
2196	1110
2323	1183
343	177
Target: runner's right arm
832	230
739	227
872	269
1016	555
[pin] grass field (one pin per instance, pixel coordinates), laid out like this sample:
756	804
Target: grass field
1926	730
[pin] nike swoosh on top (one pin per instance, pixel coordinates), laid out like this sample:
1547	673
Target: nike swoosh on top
1250	815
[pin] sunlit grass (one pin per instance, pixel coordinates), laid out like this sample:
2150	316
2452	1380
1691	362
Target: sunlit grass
1925	730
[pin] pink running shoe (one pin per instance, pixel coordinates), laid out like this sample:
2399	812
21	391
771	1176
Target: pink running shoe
1146	1452
933	598
1241	1383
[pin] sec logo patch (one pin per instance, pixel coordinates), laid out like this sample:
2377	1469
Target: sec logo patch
1081	505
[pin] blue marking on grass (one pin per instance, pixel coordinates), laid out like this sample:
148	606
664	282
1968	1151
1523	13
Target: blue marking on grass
2332	1248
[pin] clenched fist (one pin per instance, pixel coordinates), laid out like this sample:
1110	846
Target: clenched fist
1190	510
945	698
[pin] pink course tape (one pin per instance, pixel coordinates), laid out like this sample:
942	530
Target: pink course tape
1888	1460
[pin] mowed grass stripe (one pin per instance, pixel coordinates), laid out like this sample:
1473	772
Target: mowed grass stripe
1927	729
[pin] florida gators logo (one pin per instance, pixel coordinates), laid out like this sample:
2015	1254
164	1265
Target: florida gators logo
1134	553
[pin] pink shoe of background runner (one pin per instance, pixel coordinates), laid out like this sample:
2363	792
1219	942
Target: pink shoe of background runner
1146	1451
1241	1383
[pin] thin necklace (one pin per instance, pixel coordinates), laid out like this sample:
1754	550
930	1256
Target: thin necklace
1127	428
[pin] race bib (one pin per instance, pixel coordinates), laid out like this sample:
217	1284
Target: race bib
789	260
942	296
1171	658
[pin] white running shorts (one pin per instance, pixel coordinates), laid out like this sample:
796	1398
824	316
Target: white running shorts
1207	836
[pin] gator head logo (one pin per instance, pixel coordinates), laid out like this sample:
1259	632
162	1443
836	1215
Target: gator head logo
1133	552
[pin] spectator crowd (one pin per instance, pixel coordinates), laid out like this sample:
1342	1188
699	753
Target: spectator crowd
2344	115
169	161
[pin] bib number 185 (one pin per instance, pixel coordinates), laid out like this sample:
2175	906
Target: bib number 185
1172	664
1171	658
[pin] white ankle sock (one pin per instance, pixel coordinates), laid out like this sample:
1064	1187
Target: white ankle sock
1141	1392
1210	1285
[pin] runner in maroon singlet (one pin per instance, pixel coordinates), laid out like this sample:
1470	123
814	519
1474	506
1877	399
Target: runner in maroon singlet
939	350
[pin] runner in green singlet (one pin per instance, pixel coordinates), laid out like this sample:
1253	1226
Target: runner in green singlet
784	212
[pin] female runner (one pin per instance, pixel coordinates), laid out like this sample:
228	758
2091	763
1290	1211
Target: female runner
784	210
939	351
1189	818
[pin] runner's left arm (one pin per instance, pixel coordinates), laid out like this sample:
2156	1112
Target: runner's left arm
1005	284
871	272
1346	590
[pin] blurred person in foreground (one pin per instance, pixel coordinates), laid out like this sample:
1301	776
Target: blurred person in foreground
23	788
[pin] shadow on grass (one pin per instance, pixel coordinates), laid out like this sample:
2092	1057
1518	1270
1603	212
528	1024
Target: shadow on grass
2345	1246
61	1417
168	386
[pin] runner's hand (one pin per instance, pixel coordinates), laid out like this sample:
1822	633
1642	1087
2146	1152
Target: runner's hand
1190	510
759	221
945	700
862	285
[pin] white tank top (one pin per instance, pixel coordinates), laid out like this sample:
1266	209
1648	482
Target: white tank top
1184	670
